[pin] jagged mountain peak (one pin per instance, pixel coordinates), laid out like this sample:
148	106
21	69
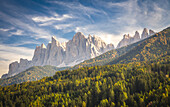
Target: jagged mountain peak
126	36
55	42
89	36
127	39
78	36
53	38
43	46
97	38
136	32
145	33
64	54
145	29
151	32
137	35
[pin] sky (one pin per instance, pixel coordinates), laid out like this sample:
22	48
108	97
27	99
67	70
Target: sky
24	24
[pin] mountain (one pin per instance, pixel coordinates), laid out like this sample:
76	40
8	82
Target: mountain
114	55
32	74
145	33
99	60
153	47
127	39
58	54
140	84
106	57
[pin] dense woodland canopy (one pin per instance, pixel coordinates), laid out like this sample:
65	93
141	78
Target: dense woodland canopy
134	84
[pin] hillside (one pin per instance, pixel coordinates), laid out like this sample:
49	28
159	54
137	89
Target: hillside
31	74
139	84
107	57
136	50
153	47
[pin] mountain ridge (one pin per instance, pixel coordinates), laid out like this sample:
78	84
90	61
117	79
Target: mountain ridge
113	55
127	39
76	50
155	46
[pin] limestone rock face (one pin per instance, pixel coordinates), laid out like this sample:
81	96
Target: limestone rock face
81	48
54	53
136	36
127	39
76	48
145	33
151	32
15	67
39	55
64	54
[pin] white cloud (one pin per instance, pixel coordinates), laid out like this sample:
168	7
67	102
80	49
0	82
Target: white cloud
26	42
11	54
146	14
46	23
62	26
55	17
130	17
18	32
80	11
109	38
5	30
78	7
33	29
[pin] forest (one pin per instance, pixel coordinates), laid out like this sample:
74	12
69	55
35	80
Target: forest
136	84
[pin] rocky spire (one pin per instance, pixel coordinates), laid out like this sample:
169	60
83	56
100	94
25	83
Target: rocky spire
137	36
78	36
126	36
127	39
144	33
55	42
151	32
43	46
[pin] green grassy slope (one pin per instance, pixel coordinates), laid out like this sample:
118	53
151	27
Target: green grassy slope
31	74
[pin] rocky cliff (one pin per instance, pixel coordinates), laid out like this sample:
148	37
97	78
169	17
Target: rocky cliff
59	54
127	39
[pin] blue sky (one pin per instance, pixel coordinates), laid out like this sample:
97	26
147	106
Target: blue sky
25	24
